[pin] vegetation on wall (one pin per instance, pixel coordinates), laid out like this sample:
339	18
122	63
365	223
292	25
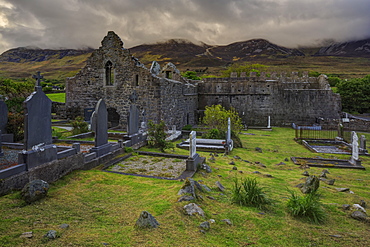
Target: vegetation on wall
258	68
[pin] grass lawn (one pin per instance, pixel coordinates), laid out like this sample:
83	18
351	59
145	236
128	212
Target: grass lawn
57	97
102	208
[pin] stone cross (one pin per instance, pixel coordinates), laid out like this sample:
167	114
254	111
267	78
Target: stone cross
38	78
354	146
268	122
193	144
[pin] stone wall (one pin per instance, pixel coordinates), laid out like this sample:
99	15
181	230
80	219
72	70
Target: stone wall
286	99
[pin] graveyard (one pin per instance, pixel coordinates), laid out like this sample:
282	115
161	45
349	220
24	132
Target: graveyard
97	184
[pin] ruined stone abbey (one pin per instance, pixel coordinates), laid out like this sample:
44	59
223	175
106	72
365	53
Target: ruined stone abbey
113	74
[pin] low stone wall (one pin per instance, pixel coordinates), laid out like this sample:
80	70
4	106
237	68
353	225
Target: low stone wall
52	171
354	124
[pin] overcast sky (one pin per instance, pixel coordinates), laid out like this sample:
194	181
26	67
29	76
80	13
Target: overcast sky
78	23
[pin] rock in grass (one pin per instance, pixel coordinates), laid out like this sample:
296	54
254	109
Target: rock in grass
227	221
27	235
185	198
342	189
305	173
205	225
64	226
358	215
258	149
311	185
51	234
35	190
193	209
220	186
146	220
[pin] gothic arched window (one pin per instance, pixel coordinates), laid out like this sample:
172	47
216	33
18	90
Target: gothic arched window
109	76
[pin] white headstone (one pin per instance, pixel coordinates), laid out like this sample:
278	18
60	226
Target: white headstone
354	146
193	144
269	122
228	135
173	129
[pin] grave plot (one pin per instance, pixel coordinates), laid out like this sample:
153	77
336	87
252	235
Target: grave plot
327	163
150	166
327	146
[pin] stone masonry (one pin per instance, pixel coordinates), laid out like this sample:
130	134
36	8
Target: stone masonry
112	73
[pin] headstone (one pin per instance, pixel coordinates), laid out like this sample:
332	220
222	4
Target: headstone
233	75
363	142
88	113
355	158
193	144
229	141
3	116
340	130
345	119
253	74
143	124
243	74
263	74
173	129
1	151
194	159
133	116
37	127
268	122
99	124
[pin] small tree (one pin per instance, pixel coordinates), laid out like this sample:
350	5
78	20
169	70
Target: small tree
79	126
216	116
157	136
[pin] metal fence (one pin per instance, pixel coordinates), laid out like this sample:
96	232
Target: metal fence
321	134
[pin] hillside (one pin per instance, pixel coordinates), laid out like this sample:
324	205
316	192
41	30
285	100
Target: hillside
347	60
359	48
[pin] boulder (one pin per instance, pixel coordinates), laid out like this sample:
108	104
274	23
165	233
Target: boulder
51	234
146	220
35	190
358	215
193	209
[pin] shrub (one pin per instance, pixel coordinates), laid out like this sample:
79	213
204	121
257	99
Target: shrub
247	192
213	134
157	136
79	126
187	127
16	125
308	207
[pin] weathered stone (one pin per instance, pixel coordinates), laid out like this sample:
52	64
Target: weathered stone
359	207
185	198
362	203
258	149
207	168
311	185
358	215
232	163
51	234
305	173
323	175
146	220
227	221
27	235
193	209
205	225
326	171
64	226
35	190
235	168
346	206
328	181
211	197
256	172
188	188
342	189
220	186
237	157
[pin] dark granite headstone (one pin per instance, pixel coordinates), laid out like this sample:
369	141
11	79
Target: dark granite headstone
1	151
99	124
3	116
37	128
133	120
88	113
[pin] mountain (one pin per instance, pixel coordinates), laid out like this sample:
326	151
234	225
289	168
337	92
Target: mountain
359	48
35	54
187	53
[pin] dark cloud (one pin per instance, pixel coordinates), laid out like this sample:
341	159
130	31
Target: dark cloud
78	23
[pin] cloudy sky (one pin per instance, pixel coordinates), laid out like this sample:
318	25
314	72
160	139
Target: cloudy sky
79	23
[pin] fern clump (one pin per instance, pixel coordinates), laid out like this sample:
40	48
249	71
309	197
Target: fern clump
308	207
247	192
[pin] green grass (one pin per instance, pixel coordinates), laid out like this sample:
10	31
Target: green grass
103	207
57	97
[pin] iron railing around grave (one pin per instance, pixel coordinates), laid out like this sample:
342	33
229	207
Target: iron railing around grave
322	134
